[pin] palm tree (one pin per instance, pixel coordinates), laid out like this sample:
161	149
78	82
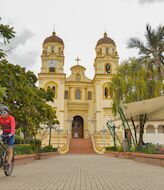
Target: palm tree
153	49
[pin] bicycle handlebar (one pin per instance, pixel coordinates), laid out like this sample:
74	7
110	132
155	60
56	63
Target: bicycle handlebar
3	136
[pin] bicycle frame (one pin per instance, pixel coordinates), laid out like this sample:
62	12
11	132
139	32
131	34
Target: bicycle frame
3	151
3	155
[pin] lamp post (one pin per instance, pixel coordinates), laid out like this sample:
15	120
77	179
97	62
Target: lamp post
103	135
68	131
114	138
69	124
112	129
57	128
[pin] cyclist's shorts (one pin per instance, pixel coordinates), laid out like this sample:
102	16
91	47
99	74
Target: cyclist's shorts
10	141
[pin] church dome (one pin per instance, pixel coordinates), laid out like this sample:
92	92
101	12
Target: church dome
53	39
105	40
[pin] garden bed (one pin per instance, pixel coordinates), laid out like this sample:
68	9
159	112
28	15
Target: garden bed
26	158
155	159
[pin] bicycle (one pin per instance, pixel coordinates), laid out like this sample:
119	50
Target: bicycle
3	156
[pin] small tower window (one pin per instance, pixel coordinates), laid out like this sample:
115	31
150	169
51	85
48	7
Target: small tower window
60	51
52	69
100	51
106	92
52	48
77	94
107	50
54	90
107	68
89	95
66	94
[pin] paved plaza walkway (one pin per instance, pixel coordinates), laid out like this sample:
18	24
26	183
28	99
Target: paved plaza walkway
84	172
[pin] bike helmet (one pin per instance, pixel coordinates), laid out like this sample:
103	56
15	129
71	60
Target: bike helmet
4	108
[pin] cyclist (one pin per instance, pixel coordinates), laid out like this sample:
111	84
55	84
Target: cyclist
7	122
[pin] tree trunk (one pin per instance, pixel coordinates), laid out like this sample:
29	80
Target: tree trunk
134	127
26	134
50	136
142	120
160	68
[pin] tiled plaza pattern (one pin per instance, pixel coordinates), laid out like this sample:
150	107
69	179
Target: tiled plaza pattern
84	172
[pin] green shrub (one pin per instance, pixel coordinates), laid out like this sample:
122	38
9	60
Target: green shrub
149	148
111	148
48	149
133	149
23	149
35	143
19	140
119	149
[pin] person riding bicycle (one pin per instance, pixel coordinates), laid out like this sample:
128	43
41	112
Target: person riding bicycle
7	122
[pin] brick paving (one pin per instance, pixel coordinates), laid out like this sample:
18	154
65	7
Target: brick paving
84	172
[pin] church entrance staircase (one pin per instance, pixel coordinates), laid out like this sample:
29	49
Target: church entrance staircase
81	146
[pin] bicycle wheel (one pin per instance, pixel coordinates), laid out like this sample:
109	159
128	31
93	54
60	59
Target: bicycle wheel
11	167
1	161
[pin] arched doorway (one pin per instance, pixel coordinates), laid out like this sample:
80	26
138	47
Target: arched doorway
77	127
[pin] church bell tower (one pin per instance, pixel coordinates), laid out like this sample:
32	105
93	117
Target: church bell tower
52	72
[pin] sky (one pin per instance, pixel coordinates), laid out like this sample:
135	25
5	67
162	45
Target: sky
80	23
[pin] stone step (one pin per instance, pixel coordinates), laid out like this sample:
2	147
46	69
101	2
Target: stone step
81	146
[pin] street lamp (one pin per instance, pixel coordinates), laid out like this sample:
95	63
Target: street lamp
112	129
69	124
57	128
103	135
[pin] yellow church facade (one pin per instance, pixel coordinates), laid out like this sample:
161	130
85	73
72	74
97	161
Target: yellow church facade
82	105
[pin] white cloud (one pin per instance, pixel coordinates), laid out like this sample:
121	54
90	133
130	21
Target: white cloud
27	59
21	38
80	24
150	1
19	51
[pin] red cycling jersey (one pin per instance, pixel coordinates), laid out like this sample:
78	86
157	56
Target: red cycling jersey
8	124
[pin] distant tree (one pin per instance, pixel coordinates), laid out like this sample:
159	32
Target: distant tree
131	84
27	102
2	94
6	34
153	49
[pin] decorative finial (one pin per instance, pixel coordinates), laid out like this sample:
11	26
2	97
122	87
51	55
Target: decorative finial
53	33
77	59
105	34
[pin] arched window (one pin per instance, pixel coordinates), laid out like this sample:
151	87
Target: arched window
52	48
99	51
60	50
150	129
107	50
108	68
77	94
89	95
66	94
54	90
106	92
160	129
